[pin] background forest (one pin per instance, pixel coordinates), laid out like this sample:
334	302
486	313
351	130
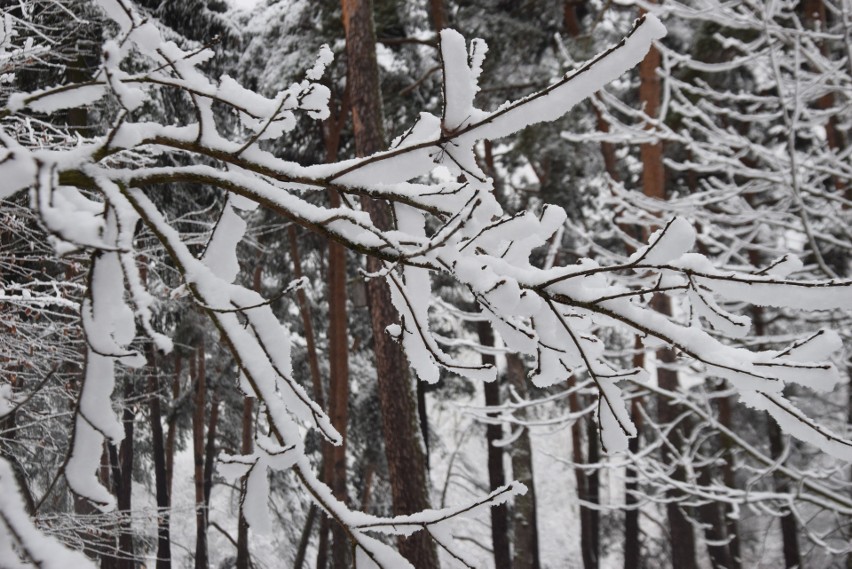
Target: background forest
737	121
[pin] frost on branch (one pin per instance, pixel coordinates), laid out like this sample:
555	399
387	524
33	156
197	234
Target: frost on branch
554	315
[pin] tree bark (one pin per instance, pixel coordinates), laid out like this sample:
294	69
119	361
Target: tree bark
164	556
789	531
122	470
338	352
524	519
198	373
632	534
171	434
210	448
496	474
404	445
246	447
588	539
681	535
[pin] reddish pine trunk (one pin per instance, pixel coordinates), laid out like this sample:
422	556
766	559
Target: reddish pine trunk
681	535
335	307
397	395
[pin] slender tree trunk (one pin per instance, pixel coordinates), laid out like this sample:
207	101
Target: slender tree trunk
789	531
299	560
246	447
210	448
681	536
593	481
588	539
728	526
122	459
171	434
524	519
712	516
164	556
109	541
198	373
338	354
338	348
404	445
496	474
632	535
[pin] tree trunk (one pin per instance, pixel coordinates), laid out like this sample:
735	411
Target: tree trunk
122	469
681	536
524	519
198	373
247	447
338	396
171	434
496	475
632	534
338	354
299	560
654	185
210	448
397	396
789	531
729	523
588	539
164	556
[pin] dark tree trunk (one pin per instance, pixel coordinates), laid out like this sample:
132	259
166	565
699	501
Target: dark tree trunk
496	474
524	519
299	560
122	469
397	395
246	447
681	535
171	434
338	340
632	539
164	556
728	524
632	531
198	373
789	531
210	447
588	539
